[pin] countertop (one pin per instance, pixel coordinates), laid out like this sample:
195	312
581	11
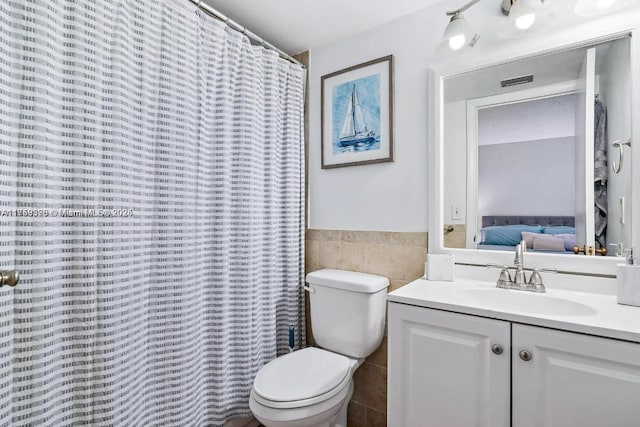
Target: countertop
596	314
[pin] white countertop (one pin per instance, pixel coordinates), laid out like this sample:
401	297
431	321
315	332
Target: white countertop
599	314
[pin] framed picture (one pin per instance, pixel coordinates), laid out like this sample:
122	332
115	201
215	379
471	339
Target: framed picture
357	115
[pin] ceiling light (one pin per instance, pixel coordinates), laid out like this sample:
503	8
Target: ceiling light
596	7
525	15
459	33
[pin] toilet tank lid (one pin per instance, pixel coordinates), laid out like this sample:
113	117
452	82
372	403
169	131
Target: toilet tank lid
348	280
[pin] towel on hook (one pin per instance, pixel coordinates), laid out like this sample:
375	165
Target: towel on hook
600	174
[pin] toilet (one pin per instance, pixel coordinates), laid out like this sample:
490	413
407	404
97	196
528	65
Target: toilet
312	387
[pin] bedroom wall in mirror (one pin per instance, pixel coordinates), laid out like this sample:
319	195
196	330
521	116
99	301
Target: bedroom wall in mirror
539	150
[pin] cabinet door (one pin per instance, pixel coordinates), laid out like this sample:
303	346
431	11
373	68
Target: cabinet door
574	380
443	372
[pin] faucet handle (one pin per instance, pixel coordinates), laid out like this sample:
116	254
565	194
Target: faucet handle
535	281
504	280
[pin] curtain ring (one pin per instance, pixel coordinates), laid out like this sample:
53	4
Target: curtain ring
618	167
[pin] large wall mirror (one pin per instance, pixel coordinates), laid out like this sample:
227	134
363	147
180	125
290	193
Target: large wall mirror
538	146
539	149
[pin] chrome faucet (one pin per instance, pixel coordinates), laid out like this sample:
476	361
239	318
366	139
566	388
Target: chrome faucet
519	281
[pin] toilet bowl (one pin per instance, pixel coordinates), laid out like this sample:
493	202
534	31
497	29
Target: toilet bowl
312	387
307	388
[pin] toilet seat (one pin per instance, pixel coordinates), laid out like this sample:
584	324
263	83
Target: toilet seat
302	378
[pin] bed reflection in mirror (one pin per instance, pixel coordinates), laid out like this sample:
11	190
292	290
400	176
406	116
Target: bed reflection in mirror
532	152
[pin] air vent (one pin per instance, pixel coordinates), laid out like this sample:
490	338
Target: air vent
517	81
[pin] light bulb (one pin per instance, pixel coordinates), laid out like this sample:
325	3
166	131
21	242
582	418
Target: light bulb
457	41
525	21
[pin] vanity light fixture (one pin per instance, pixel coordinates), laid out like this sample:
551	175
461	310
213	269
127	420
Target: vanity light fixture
459	33
597	7
524	15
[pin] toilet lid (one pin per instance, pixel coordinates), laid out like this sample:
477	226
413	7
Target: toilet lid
303	374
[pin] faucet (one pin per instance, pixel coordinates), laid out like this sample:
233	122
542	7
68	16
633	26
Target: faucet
519	281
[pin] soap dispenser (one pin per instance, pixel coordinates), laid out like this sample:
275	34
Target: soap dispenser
629	280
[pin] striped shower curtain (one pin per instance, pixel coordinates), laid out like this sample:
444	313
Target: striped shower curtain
151	191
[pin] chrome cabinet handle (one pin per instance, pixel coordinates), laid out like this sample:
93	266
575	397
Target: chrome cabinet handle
9	277
525	355
497	349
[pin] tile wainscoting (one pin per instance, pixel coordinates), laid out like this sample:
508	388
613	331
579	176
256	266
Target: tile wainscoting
398	256
456	238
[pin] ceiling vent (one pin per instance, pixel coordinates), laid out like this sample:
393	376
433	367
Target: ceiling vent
517	81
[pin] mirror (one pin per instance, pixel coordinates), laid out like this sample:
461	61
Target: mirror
539	149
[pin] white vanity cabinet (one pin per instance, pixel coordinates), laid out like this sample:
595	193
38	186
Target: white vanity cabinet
573	380
443	370
447	369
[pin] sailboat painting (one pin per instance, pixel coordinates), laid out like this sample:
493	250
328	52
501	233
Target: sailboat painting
357	115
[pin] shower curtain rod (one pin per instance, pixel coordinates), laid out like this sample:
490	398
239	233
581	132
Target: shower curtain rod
252	36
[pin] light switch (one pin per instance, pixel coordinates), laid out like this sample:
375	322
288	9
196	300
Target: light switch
456	213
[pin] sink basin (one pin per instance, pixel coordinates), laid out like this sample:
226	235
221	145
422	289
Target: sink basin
525	302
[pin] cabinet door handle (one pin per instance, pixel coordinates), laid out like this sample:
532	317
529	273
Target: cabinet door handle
525	355
497	349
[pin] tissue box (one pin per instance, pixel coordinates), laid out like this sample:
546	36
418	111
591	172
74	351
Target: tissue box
440	267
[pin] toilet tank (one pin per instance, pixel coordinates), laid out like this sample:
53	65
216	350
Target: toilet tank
347	311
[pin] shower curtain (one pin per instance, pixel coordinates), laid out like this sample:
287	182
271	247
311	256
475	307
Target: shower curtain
151	190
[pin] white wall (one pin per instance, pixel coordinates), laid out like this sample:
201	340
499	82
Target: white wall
527	178
393	196
386	196
455	174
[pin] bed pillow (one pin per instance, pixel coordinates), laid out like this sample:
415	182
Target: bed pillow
507	235
545	242
527	236
569	240
558	229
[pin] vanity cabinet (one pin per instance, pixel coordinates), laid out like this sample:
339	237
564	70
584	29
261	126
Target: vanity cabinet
450	369
574	380
443	370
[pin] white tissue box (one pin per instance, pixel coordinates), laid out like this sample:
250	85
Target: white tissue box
440	267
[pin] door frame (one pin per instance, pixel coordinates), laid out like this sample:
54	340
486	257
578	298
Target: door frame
473	106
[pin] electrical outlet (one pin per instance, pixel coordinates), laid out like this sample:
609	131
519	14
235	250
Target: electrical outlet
456	213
